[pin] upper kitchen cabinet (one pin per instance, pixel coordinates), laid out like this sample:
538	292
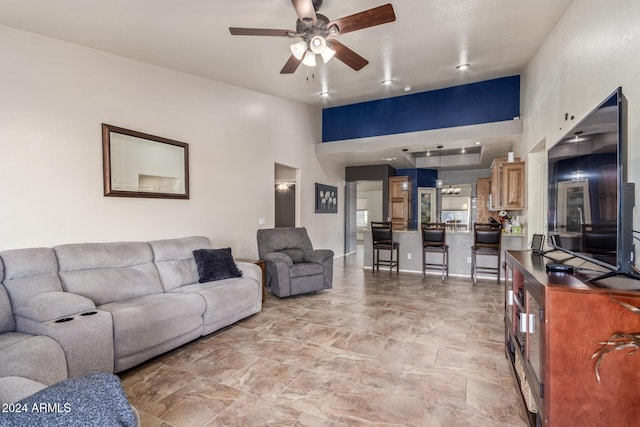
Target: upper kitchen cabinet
507	185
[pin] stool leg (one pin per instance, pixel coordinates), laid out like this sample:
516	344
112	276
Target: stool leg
398	261
423	262
473	266
391	260
374	262
447	252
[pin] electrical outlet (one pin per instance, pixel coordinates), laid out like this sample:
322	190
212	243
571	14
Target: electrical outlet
468	260
262	221
408	256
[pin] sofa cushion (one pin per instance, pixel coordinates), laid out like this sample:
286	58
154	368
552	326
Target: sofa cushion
13	388
29	272
10	338
108	272
215	264
7	321
146	322
175	262
228	300
38	358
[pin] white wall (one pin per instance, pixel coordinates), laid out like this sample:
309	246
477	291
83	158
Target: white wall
594	49
55	95
374	203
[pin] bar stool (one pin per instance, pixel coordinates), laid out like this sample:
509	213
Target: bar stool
486	241
382	239
434	238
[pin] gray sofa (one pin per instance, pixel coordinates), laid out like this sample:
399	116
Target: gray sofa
76	309
293	266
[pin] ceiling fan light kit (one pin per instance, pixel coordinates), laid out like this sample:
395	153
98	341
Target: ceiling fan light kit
318	44
314	29
309	59
327	54
298	49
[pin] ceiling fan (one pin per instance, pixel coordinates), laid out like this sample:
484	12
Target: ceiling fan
316	32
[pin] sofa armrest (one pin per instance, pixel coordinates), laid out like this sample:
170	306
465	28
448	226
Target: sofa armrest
279	257
54	305
318	255
250	270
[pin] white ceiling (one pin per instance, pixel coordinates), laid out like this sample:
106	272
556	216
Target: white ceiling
420	50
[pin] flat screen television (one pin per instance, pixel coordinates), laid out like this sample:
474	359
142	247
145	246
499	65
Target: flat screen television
590	202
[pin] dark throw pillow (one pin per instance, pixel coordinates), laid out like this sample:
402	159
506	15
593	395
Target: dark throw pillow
215	264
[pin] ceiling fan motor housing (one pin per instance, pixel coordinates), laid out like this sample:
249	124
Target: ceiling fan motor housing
307	30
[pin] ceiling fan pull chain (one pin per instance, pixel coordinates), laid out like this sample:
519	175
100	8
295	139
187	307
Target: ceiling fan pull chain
313	74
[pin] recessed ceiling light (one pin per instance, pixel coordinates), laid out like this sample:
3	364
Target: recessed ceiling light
387	82
463	66
464	150
428	153
477	142
388	159
325	94
407	88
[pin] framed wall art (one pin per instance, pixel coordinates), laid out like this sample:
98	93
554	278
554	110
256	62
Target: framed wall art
326	199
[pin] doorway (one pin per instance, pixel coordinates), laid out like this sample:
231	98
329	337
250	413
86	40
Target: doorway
286	195
364	204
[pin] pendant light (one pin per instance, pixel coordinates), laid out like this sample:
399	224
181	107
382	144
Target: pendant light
405	184
577	175
439	181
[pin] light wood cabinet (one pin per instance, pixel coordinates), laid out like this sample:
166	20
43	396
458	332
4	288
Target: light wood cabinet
400	191
507	185
483	190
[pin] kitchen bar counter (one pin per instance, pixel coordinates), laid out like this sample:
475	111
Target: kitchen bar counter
459	241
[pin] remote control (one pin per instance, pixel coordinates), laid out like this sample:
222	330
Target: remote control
560	268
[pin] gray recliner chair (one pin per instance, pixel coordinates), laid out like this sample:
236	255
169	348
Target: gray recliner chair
293	266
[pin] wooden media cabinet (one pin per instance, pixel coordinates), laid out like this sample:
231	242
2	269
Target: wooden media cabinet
554	323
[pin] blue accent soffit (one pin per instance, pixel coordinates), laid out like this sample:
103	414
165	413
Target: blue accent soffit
484	102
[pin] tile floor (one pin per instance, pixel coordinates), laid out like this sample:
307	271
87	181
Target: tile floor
376	350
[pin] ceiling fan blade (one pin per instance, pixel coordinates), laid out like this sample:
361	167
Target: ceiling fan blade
305	9
348	56
368	18
260	32
291	66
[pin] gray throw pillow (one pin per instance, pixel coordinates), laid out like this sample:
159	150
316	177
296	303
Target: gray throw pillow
215	264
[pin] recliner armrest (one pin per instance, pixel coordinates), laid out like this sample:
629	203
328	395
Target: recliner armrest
318	255
279	257
54	305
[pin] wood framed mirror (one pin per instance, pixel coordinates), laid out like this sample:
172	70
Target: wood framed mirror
137	164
